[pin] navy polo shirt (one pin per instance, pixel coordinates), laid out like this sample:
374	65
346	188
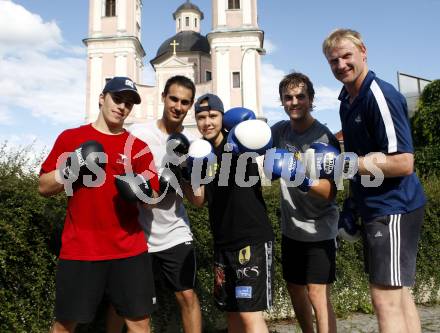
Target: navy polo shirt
377	121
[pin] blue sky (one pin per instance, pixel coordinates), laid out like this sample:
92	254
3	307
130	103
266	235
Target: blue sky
43	66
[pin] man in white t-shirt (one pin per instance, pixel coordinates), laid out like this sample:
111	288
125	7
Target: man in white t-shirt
167	226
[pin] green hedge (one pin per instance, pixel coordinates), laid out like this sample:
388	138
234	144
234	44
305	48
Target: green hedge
427	160
27	265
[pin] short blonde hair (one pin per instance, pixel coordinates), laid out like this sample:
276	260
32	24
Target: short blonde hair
339	34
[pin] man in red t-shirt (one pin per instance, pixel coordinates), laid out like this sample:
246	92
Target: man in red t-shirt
103	246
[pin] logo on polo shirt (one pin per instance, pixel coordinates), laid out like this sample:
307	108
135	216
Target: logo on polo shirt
358	119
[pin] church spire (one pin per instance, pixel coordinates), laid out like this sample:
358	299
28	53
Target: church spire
188	17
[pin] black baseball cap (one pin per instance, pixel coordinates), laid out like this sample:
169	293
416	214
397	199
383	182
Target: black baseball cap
122	83
214	103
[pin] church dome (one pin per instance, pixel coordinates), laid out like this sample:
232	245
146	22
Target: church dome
189	41
188	6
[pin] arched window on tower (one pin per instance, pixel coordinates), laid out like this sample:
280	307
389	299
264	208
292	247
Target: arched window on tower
110	7
233	4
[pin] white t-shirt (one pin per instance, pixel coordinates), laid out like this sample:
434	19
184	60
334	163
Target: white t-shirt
167	224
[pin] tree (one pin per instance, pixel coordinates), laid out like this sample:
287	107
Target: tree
426	121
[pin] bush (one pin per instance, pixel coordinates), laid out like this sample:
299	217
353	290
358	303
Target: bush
26	264
427	285
427	160
426	120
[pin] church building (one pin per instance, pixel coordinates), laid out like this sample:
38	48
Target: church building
225	61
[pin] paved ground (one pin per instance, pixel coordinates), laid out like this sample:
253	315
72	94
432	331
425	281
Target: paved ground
363	323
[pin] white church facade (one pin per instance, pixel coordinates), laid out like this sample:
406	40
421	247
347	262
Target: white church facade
225	61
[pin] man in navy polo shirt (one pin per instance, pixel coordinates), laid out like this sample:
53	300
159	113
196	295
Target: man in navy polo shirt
375	126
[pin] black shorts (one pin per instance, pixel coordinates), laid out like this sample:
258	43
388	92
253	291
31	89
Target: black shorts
127	283
177	266
243	278
308	262
390	248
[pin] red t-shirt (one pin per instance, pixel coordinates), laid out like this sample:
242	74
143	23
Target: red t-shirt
99	224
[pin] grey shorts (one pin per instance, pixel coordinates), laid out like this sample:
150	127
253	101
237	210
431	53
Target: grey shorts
390	248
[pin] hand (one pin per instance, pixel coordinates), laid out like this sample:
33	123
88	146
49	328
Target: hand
201	157
170	178
281	163
177	143
87	159
133	187
323	161
250	136
348	228
235	116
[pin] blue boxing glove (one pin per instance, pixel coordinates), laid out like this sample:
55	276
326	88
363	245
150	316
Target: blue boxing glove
324	160
348	228
235	116
281	163
250	136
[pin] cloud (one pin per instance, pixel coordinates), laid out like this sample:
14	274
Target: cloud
5	116
326	98
32	149
21	29
270	78
275	115
269	46
47	87
35	76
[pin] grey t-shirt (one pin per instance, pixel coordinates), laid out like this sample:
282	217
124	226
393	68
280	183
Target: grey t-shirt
305	217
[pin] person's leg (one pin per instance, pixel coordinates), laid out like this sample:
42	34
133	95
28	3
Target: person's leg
250	275
321	272
140	325
131	293
387	303
63	327
411	225
234	323
114	322
301	306
178	267
79	290
189	310
319	295
410	311
247	322
392	251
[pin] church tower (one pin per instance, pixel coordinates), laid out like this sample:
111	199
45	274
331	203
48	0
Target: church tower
113	46
236	45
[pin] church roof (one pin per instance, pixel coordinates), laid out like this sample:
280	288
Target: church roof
189	41
188	6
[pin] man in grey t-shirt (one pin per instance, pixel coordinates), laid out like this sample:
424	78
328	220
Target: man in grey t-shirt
309	217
